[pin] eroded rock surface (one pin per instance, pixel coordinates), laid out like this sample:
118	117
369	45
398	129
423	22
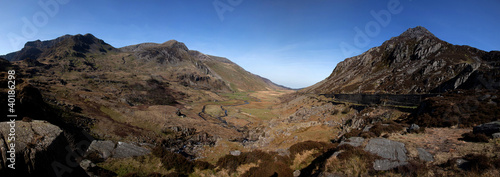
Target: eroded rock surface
393	152
38	144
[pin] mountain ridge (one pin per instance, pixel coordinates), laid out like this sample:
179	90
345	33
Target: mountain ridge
171	54
414	62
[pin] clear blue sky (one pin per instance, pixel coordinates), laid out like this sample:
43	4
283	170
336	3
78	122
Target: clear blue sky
295	43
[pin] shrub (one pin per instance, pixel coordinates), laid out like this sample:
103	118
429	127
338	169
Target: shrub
471	137
181	164
389	127
465	110
478	163
350	152
309	145
413	168
231	162
269	168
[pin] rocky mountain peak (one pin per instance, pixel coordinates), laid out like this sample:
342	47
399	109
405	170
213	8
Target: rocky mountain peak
417	32
175	45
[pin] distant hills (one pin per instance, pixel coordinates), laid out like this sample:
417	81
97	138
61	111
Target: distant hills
414	62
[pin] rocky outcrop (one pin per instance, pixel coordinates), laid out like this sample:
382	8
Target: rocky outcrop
353	141
487	128
106	149
392	152
187	141
38	144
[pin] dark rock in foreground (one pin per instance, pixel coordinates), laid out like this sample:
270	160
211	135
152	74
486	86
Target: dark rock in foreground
39	147
488	128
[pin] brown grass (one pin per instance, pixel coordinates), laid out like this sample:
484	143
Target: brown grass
352	161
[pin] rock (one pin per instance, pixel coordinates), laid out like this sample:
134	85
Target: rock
424	155
367	128
38	145
335	154
328	174
124	150
283	152
496	135
235	153
488	128
86	164
104	149
462	163
393	152
386	164
413	128
353	141
296	173
107	149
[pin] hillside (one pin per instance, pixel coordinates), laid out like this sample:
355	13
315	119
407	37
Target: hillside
138	93
414	62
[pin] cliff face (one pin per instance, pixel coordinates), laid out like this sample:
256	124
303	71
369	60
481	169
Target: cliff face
414	62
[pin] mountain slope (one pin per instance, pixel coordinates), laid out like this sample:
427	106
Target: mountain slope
239	79
414	62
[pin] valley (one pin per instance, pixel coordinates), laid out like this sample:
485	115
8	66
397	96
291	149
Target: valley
414	106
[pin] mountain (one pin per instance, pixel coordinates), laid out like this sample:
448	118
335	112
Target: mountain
414	62
61	47
174	53
190	68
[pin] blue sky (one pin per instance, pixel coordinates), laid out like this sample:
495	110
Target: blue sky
295	43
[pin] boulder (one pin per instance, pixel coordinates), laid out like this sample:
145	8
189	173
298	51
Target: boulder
496	135
235	152
103	149
393	152
38	145
413	128
488	128
353	141
296	173
124	150
424	155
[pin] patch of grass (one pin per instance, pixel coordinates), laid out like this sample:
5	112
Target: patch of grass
214	110
142	166
238	96
264	114
112	114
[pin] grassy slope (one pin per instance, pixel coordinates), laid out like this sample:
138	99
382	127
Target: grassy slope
239	79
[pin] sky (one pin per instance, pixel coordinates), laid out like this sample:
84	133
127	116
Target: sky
295	43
